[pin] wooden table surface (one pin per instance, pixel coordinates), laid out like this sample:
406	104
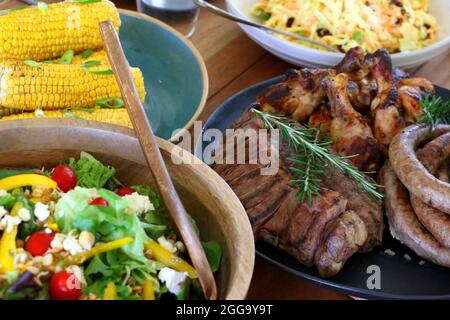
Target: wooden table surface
235	62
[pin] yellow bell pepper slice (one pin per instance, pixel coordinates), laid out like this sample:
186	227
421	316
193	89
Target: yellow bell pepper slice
149	291
110	292
8	244
22	180
169	259
104	247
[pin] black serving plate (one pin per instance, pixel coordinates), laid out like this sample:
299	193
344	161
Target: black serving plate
402	276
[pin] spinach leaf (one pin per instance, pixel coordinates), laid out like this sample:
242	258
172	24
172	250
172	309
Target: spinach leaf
213	253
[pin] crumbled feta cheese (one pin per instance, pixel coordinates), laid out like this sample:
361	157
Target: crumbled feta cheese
48	230
8	222
58	241
71	245
24	214
3	212
167	244
3	193
174	280
39	113
41	211
138	204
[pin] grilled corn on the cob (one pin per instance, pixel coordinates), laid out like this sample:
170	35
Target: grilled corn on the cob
113	116
8	111
57	86
39	35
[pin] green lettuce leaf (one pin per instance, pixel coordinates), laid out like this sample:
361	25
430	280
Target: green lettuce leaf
90	172
7	201
107	223
114	266
69	207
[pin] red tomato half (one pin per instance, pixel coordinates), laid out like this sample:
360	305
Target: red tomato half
99	201
65	177
125	191
39	242
64	286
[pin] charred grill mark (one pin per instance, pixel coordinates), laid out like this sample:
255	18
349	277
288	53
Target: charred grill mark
308	78
352	61
397	3
275	95
290	22
291	74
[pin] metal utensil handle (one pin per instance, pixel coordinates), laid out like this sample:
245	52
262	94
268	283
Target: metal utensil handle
218	11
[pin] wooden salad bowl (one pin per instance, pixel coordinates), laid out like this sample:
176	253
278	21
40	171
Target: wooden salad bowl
219	214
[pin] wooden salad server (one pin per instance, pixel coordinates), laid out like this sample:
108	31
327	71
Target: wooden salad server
155	162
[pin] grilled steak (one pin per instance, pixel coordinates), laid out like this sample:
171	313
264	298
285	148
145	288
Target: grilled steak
341	238
338	223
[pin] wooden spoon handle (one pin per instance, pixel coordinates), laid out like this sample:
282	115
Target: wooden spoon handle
144	132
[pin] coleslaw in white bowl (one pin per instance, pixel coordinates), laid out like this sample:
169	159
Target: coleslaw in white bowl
306	56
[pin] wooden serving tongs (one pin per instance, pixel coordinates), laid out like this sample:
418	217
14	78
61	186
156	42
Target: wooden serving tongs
149	146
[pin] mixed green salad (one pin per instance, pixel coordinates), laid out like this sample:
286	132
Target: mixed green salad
75	232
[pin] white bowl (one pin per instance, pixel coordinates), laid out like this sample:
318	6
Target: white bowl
305	56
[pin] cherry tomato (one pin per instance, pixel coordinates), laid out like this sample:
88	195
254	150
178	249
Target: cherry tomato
99	201
64	286
39	242
65	177
125	191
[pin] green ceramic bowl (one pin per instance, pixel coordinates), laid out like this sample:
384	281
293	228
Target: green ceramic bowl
175	75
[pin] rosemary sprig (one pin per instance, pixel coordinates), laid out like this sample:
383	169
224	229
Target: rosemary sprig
307	178
435	111
311	154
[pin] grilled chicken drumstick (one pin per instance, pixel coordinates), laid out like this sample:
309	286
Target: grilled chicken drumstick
412	92
351	135
385	108
298	95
